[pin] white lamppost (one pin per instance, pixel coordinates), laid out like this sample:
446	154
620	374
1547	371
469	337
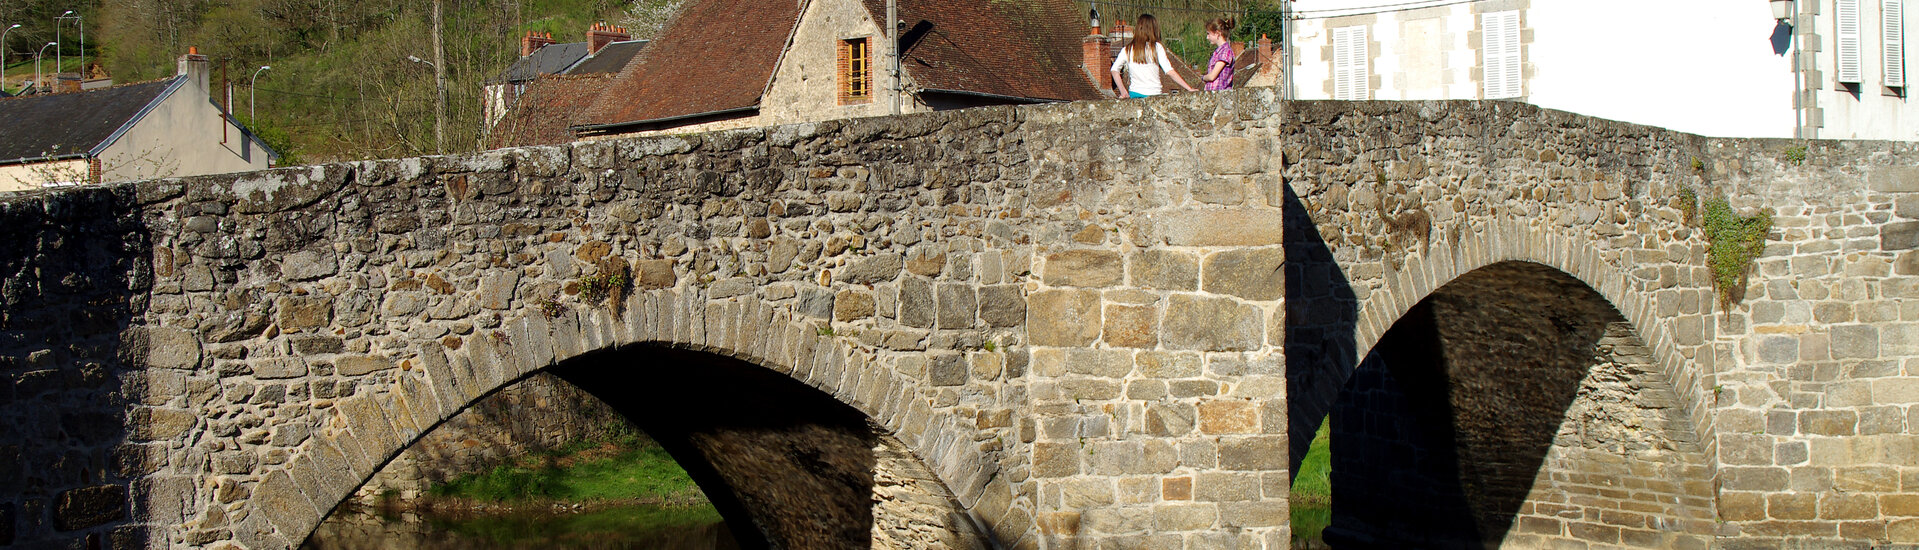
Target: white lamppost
36	65
1782	12
3	55
56	40
250	88
83	40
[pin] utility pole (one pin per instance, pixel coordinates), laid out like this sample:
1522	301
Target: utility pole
439	81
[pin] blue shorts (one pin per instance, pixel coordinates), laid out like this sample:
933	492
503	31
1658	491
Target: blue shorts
1130	93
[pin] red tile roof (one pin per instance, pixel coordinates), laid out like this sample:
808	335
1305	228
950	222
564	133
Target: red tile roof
542	113
718	55
1019	48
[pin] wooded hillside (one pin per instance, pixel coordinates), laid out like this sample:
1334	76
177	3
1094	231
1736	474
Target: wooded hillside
341	84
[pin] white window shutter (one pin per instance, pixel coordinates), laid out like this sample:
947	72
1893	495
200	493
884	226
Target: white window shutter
1350	76
1499	55
1892	17
1846	46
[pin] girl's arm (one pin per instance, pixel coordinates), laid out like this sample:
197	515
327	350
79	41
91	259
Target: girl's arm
1168	67
1214	74
1118	81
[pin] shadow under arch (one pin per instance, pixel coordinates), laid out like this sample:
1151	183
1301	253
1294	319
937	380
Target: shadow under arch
1514	405
787	464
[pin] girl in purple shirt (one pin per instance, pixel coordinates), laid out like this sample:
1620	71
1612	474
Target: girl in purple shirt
1219	69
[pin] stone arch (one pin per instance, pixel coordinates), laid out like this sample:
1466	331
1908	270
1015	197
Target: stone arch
1638	299
445	376
1633	382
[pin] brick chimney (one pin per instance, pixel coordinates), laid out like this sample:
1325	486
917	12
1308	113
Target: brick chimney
1093	55
1268	64
533	41
602	34
195	67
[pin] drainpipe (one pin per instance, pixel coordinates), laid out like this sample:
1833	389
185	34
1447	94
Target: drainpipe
892	32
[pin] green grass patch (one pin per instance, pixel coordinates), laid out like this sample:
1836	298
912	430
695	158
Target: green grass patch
580	472
1312	495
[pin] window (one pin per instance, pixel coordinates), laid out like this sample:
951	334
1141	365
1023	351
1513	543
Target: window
1846	46
1499	54
1350	79
1892	18
856	75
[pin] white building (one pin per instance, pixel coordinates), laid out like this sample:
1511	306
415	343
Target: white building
150	130
1713	67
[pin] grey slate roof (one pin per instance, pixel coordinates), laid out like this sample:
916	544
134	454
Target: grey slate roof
610	58
552	59
63	125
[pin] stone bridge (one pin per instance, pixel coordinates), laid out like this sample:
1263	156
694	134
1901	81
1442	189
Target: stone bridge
1104	325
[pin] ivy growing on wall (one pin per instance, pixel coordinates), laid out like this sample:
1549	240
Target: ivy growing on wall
1734	242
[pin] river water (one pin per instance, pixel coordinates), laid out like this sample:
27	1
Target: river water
669	528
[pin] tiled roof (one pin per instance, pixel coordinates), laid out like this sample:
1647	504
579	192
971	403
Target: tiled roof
59	125
542	114
610	59
1019	48
718	55
551	59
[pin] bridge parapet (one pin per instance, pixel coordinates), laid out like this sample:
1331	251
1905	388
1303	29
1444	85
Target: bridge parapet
1092	322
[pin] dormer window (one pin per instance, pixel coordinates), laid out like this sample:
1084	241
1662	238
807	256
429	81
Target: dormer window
855	70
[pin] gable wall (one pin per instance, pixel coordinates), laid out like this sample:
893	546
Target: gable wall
181	137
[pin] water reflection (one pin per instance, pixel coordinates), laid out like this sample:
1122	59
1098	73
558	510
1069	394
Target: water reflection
669	528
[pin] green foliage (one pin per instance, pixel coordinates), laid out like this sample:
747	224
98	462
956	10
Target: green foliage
600	286
1734	242
1795	155
637	472
341	87
1312	495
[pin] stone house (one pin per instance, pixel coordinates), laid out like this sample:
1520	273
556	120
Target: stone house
787	62
164	128
606	50
1717	67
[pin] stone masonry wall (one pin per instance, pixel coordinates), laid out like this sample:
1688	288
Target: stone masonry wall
1092	321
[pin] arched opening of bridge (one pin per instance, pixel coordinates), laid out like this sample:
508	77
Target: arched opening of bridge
785	464
1513	407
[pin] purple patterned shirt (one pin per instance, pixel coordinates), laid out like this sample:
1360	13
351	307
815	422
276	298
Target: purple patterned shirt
1225	80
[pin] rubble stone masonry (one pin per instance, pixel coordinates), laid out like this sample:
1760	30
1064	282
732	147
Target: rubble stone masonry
1087	325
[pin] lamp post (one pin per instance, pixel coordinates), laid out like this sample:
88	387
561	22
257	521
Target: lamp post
3	55
56	40
83	40
1782	11
250	88
36	63
439	104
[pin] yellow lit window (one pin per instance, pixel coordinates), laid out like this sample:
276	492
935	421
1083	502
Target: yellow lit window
856	75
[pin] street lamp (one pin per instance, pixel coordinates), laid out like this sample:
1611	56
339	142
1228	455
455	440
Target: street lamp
439	101
83	40
56	40
3	55
251	88
1782	10
36	65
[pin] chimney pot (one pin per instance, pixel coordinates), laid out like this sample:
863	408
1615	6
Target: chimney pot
602	34
195	67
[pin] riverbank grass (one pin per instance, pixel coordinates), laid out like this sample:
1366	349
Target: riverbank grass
1312	495
618	470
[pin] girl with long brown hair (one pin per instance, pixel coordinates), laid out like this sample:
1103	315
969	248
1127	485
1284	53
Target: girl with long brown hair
1144	59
